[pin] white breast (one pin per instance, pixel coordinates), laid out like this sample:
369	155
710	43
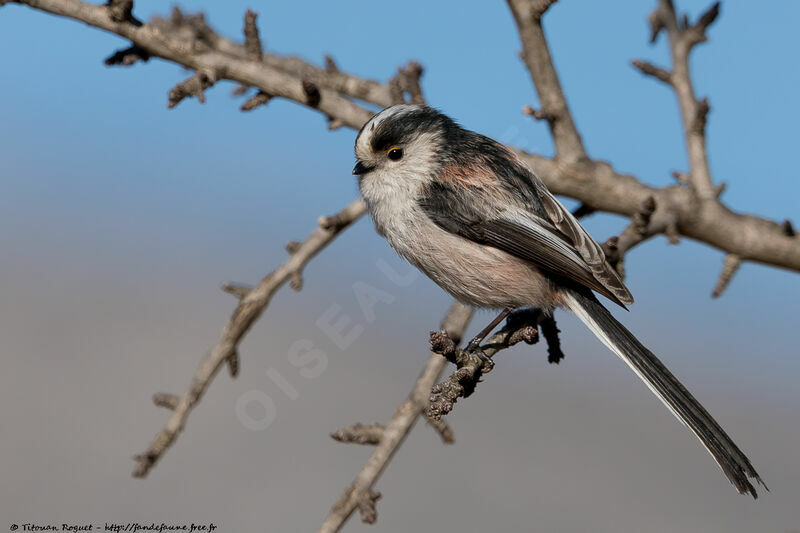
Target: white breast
473	273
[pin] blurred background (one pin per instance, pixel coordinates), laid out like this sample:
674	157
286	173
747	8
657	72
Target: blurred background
119	219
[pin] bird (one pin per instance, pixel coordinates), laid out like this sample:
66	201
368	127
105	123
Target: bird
475	218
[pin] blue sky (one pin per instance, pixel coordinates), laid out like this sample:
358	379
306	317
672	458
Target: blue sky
103	189
95	163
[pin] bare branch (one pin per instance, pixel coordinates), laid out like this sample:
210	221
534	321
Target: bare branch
193	28
522	325
247	312
359	495
639	229
407	81
373	433
593	182
751	237
536	55
682	38
691	211
198	54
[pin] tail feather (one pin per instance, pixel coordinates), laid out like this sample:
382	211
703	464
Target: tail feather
680	401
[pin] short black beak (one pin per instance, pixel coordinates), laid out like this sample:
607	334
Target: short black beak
361	168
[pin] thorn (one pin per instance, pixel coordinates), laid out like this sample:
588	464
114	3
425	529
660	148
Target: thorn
166	400
360	434
414	69
730	265
787	228
233	363
538	114
312	93
240	291
127	56
252	41
656	25
708	18
292	246
330	65
333	222
366	507
176	17
681	177
120	10
719	189
650	69
296	281
240	89
192	86
334	123
258	99
697	33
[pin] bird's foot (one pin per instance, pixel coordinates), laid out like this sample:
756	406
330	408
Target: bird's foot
476	350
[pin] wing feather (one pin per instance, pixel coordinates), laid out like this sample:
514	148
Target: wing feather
588	248
525	220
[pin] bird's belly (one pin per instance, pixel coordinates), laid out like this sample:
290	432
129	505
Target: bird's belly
475	274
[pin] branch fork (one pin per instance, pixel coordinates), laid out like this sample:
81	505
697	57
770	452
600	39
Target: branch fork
521	326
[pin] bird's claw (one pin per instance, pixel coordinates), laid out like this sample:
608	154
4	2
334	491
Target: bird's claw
488	364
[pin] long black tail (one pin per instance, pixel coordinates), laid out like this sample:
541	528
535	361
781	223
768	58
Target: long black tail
667	387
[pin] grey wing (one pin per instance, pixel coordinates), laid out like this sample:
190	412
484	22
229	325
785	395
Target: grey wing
557	248
589	250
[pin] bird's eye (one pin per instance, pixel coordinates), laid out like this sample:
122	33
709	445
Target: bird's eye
395	154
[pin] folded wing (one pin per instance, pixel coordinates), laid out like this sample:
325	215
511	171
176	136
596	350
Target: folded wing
530	224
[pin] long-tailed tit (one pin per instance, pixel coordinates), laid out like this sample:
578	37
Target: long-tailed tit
472	216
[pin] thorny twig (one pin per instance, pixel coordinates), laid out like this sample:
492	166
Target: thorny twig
359	494
251	304
521	326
